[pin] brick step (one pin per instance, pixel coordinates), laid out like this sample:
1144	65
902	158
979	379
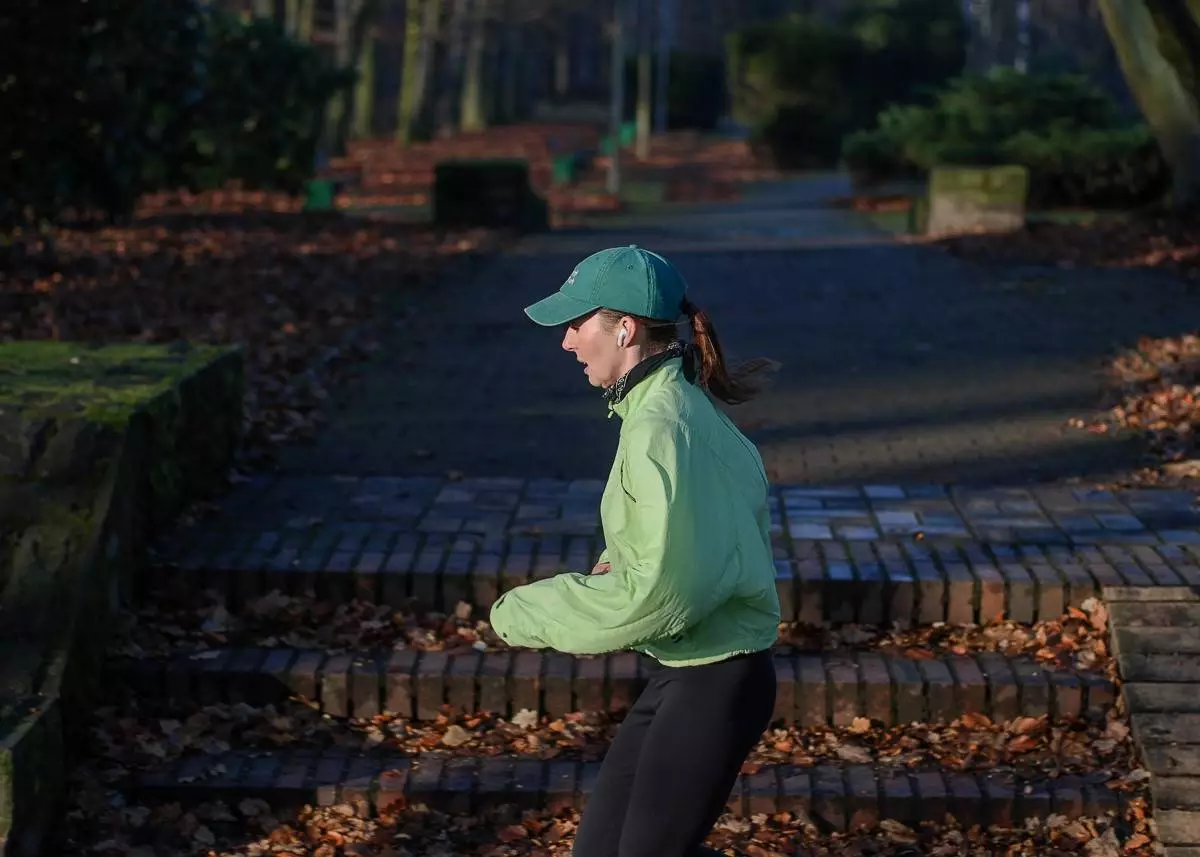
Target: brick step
1178	827
1169	742
1156	667
1161	697
1181	640
815	591
842	797
1153	615
813	689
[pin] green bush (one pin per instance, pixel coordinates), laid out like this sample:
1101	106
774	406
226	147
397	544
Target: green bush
1101	168
109	99
874	156
260	114
90	92
1067	132
791	87
801	85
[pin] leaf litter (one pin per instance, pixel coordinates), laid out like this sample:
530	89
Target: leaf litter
303	294
250	829
139	736
1076	640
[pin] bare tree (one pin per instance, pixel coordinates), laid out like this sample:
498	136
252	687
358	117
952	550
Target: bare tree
472	112
1158	44
422	19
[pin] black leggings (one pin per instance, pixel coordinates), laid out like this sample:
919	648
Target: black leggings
669	772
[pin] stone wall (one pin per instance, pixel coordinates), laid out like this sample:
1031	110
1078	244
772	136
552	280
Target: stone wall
81	495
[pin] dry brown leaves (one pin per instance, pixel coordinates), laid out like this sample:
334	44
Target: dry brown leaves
1165	243
141	737
1156	385
298	291
251	830
1029	746
172	625
1076	640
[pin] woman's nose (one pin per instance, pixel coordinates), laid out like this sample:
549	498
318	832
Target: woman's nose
566	343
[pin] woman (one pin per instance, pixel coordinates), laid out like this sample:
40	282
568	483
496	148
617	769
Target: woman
687	576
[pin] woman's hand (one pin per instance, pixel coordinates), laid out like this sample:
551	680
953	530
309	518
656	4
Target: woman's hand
602	568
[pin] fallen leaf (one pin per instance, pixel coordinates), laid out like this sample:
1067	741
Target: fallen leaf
860	725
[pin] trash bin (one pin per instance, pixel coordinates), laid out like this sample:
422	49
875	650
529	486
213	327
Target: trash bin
566	168
628	133
319	195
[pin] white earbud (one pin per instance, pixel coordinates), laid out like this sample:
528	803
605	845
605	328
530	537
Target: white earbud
621	337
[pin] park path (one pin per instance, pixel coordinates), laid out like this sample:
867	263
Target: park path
921	474
899	363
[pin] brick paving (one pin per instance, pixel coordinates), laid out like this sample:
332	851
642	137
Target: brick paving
876	554
831	688
921	473
841	797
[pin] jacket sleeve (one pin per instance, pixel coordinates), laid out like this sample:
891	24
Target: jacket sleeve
651	592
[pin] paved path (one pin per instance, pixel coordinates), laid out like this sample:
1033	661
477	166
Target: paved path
900	364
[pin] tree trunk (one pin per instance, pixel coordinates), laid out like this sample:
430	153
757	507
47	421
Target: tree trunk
291	17
473	115
364	91
306	12
1021	57
617	99
1159	69
510	72
449	84
644	83
980	36
413	39
562	56
422	19
355	21
666	25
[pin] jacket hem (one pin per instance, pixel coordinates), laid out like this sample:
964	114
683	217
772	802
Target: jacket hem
709	659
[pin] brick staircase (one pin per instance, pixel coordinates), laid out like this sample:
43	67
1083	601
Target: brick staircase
872	558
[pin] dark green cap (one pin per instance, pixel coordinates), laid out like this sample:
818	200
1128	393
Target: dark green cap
625	279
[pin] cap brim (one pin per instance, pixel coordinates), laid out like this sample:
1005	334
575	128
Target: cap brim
556	309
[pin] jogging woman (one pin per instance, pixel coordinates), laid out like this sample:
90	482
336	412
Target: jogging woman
687	575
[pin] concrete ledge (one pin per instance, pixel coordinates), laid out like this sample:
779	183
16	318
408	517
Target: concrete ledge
158	454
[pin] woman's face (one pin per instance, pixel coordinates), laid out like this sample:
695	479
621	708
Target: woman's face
596	348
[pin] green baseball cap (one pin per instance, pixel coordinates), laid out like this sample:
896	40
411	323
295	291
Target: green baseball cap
626	279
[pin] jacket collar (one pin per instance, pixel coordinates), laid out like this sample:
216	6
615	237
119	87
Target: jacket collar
617	395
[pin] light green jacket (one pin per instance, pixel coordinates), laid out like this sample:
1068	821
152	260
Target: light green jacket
687	529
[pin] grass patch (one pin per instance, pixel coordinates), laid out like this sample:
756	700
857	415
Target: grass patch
102	383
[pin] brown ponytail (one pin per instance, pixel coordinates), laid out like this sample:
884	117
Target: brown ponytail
741	384
732	387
